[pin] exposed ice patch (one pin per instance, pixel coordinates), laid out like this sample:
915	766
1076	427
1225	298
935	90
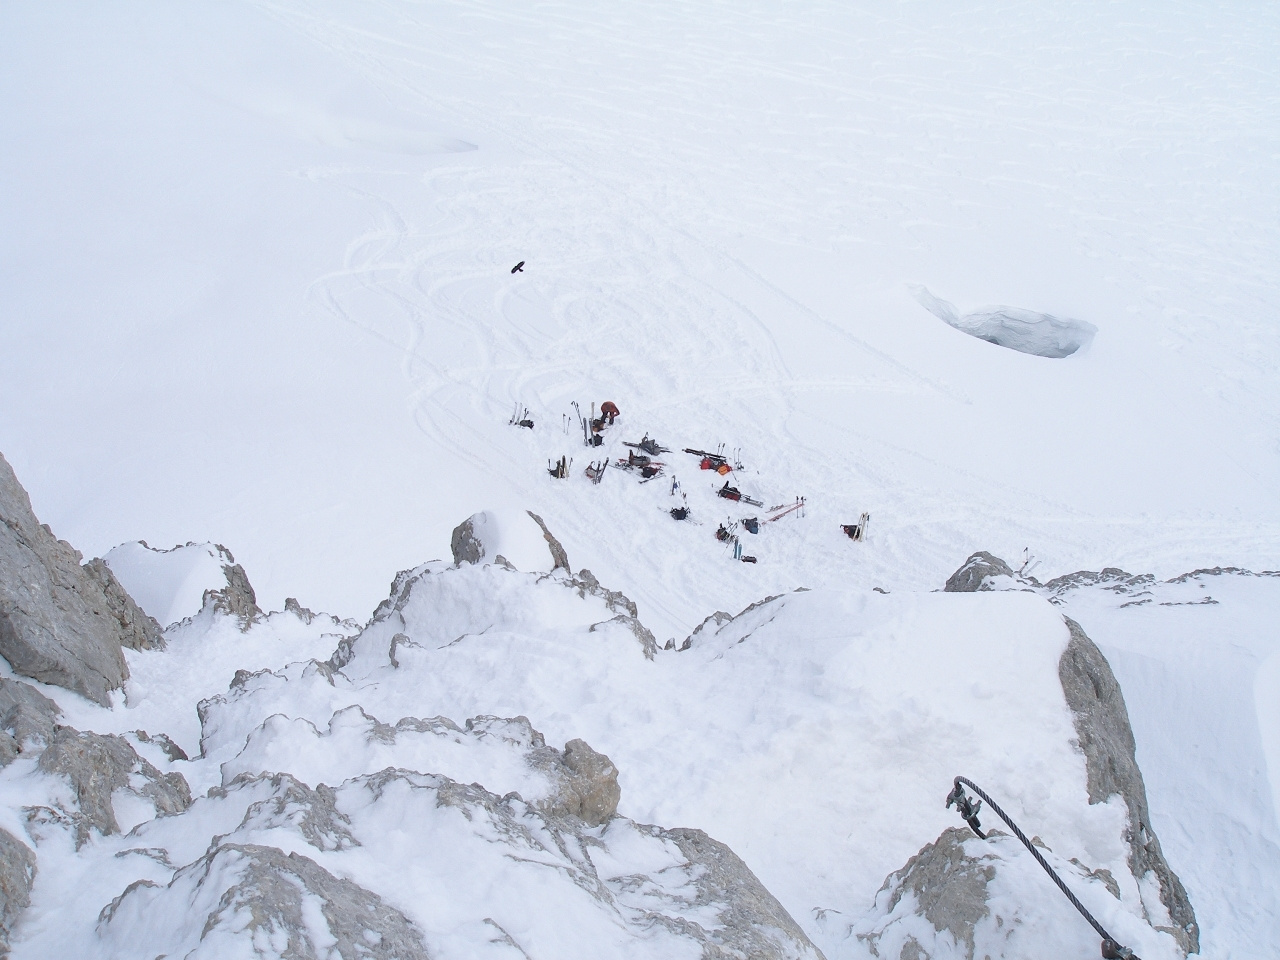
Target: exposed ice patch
1039	334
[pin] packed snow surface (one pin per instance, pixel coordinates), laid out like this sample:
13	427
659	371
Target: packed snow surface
256	267
257	272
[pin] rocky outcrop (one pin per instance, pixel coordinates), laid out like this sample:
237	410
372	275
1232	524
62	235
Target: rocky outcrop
291	605
166	745
249	891
61	623
466	542
1101	722
17	874
311	812
605	885
967	898
585	783
237	598
974	572
624	608
136	630
949	887
98	765
751	921
1106	738
559	558
27	718
709	625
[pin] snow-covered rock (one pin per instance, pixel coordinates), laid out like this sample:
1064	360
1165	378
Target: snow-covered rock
516	537
475	874
807	716
507	755
99	769
1195	653
1105	737
174	584
251	900
962	898
355	837
17	873
974	573
27	718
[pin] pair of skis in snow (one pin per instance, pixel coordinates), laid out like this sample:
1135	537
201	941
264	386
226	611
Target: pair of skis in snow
520	418
857	532
591	427
783	510
559	469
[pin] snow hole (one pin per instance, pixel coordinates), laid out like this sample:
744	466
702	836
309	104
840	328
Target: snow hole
1039	334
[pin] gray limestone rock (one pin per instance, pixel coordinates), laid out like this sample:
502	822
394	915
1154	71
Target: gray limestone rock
648	642
558	555
708	626
60	623
624	608
586	782
162	740
949	888
136	630
343	654
1106	738
466	543
1087	578
752	923
17	874
974	571
237	598
617	601
26	715
291	605
268	894
311	812
97	765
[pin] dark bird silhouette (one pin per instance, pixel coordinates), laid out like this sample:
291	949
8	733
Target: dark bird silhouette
518	268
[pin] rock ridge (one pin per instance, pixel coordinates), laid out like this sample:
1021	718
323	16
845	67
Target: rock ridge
60	622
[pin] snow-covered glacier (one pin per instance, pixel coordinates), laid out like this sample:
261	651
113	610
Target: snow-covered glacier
291	289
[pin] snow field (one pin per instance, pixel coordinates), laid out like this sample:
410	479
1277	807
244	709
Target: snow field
721	215
256	275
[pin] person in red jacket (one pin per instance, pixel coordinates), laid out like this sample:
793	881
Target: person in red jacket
609	411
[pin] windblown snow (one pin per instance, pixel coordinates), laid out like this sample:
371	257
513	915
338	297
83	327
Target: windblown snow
700	691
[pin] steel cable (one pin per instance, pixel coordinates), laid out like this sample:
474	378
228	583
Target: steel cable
1111	949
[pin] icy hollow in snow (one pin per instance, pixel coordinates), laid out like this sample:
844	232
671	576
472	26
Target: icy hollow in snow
1039	334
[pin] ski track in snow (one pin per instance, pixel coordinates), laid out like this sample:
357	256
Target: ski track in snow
630	296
